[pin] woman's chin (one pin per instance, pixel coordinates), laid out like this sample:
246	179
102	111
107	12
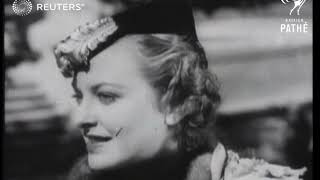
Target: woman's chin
112	161
101	162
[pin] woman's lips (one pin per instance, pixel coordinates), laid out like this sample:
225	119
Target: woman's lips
97	138
94	142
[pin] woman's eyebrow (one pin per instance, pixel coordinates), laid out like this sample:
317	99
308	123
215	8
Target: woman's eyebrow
95	87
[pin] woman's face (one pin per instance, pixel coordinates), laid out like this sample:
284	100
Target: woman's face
117	111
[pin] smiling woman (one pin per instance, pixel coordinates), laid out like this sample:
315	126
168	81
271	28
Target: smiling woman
146	100
127	114
114	95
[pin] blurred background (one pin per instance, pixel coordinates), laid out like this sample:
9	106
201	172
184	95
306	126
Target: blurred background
265	77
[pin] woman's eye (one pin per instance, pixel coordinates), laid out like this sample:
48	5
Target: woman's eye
78	98
107	98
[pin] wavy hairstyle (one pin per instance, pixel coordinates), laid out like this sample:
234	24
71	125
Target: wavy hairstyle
178	70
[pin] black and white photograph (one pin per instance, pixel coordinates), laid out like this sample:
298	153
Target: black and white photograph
158	90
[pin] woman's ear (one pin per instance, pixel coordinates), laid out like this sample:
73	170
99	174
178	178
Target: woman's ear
172	119
174	116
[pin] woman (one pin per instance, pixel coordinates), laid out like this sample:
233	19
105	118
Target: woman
146	99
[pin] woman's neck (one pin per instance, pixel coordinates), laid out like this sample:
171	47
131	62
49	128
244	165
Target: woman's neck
173	167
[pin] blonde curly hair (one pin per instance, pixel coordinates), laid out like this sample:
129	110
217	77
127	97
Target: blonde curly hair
178	70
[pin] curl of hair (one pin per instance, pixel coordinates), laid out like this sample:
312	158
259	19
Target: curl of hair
178	70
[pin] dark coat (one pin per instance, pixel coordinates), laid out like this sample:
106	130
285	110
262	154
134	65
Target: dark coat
198	169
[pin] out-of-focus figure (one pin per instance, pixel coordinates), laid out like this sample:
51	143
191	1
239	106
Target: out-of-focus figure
16	46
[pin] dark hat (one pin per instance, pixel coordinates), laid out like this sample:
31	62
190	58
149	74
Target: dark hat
167	17
174	16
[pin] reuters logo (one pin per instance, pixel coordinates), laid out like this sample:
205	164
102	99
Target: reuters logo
22	7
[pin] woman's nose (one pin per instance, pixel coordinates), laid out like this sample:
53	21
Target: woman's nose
85	118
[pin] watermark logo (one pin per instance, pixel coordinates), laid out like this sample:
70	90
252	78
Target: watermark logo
294	24
297	5
22	7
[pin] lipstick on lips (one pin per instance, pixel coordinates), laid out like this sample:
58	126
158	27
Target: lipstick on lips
94	140
98	138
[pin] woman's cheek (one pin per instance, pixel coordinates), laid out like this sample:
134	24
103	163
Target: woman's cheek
115	116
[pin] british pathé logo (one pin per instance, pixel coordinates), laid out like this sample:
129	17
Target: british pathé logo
294	24
22	7
297	5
